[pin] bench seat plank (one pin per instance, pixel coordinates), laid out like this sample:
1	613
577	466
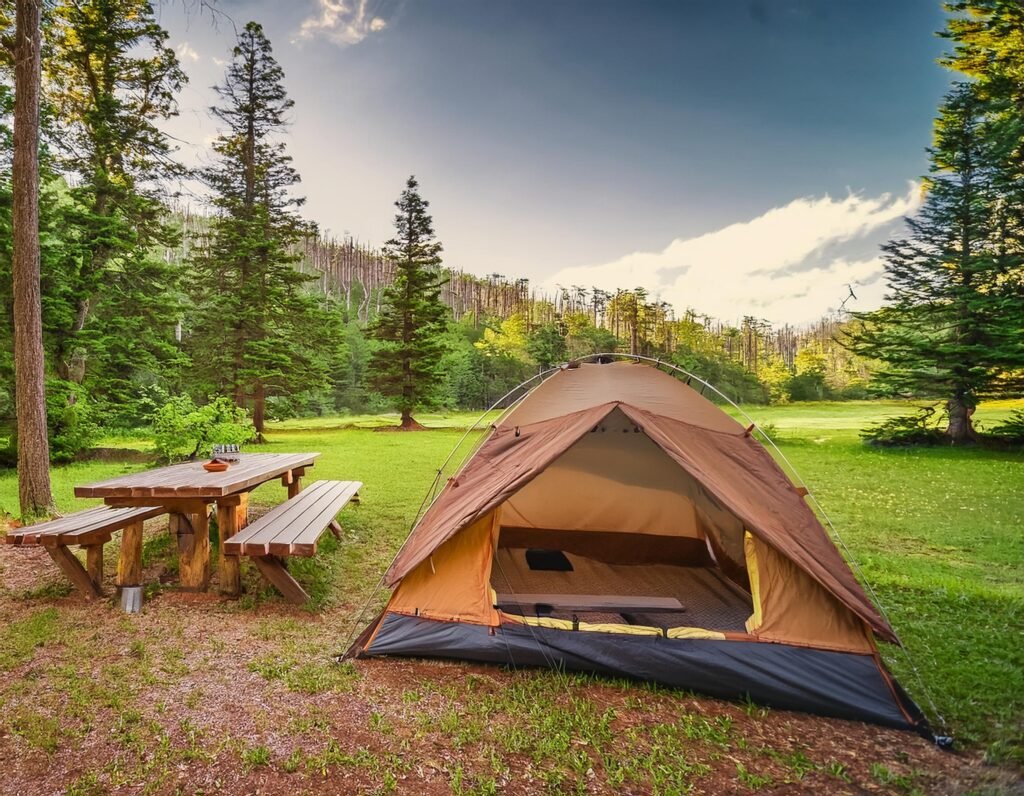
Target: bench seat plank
295	526
306	530
601	603
83	527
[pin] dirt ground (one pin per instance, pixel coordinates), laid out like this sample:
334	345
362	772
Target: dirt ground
199	694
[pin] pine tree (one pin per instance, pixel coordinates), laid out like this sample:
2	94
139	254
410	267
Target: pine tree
989	49
110	308
412	318
954	324
255	328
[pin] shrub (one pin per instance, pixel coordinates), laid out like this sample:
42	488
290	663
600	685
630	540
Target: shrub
921	428
769	431
138	412
182	430
1011	430
69	418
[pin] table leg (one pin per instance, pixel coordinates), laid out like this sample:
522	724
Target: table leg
232	513
194	551
129	561
242	511
293	480
94	564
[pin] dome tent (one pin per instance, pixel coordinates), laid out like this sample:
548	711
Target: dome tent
617	521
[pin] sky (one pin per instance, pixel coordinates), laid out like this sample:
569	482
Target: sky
740	157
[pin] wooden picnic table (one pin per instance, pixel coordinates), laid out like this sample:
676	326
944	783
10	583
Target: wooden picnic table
186	491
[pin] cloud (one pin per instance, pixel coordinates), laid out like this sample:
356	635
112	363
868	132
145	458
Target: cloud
185	50
341	21
219	61
790	264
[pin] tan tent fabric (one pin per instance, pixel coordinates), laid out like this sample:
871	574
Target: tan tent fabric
619	481
793	608
579	388
739	473
453	583
509	459
582	489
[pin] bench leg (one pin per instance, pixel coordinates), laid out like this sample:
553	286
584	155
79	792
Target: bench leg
129	560
194	551
231	518
273	570
335	527
74	571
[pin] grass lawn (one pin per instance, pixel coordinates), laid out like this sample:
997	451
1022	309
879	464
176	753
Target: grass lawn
102	702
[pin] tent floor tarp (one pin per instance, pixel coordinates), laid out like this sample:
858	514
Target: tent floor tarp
840	684
709	600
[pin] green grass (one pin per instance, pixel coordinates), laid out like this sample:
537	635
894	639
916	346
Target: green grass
937	533
19	639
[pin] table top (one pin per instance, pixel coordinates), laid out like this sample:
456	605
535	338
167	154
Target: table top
190	480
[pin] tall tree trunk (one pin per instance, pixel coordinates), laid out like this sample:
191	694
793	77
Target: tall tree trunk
30	376
961	427
259	410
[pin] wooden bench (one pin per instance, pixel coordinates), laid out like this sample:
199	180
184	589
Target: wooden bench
91	529
293	529
580	603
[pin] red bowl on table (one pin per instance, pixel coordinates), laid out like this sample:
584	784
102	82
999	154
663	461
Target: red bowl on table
215	466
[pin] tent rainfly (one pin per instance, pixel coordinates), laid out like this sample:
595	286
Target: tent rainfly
616	521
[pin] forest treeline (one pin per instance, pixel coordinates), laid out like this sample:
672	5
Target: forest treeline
122	348
147	308
505	329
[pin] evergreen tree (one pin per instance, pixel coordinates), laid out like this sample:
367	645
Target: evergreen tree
412	319
109	308
255	328
954	325
989	49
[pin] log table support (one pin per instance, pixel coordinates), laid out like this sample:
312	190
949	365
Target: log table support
94	564
74	571
129	562
232	516
293	480
193	532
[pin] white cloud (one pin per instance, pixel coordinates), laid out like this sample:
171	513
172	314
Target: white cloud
219	61
341	21
787	264
185	50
